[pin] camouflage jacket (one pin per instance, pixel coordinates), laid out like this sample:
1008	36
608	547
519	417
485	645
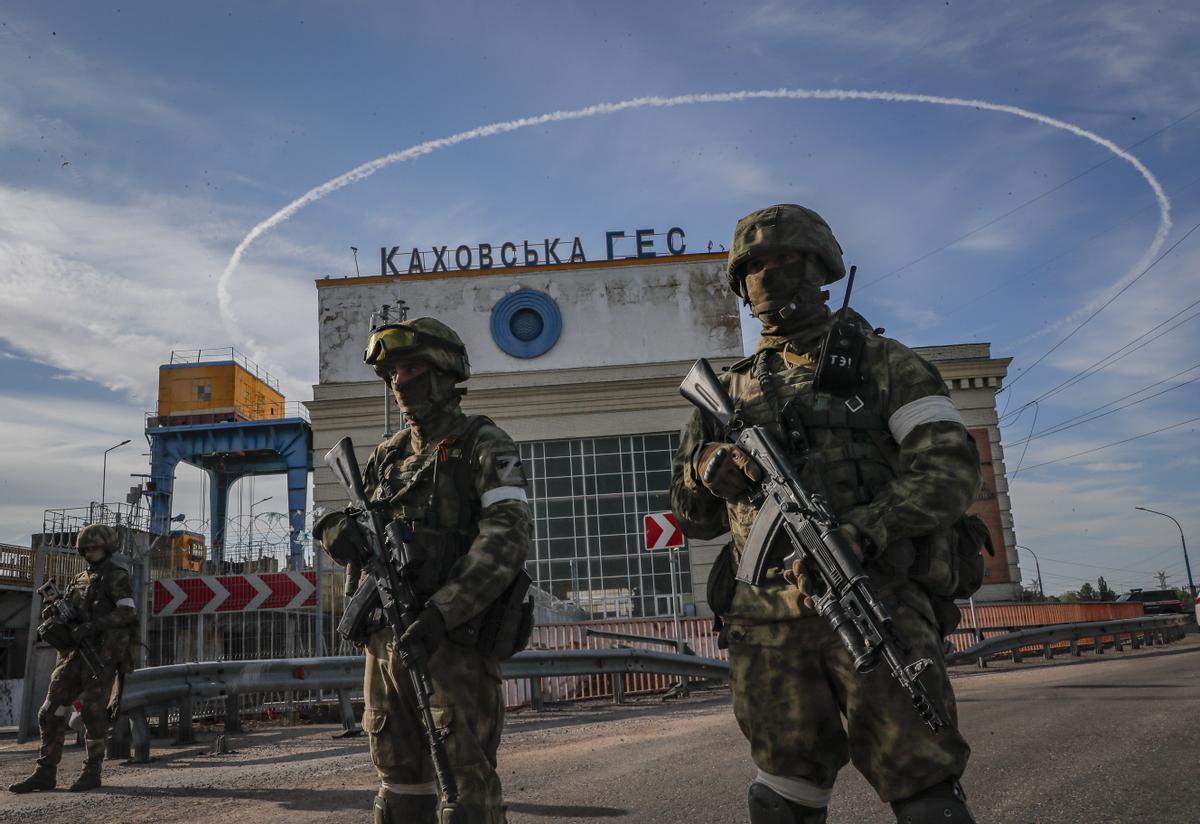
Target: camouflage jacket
470	514
103	595
901	466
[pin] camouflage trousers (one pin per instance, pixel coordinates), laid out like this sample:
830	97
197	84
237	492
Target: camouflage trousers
793	682
467	700
71	680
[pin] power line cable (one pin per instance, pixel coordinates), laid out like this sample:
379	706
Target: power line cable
1071	423
1120	354
1036	408
1029	202
1103	306
1115	443
1096	566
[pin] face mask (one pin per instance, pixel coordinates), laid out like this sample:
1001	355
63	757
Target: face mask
95	556
788	298
425	396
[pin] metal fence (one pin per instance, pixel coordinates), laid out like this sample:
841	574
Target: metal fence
16	566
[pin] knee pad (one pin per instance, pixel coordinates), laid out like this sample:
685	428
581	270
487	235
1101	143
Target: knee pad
52	715
769	807
944	803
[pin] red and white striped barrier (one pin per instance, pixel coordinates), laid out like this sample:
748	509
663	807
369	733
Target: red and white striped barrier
207	594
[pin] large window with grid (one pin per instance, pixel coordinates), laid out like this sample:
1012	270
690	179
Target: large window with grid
589	498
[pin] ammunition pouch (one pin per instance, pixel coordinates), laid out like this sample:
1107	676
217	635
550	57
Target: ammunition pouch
503	629
949	563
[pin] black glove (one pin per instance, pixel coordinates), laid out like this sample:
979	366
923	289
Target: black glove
427	632
726	471
338	532
84	631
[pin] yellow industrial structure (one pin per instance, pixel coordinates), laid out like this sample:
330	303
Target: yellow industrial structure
215	385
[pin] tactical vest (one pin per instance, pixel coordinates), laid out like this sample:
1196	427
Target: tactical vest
845	452
89	594
435	493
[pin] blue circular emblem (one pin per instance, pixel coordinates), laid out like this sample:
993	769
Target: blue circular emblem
526	323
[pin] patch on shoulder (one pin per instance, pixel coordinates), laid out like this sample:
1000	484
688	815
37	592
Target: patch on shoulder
509	471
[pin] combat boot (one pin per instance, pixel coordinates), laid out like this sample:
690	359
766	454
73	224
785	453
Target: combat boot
944	803
43	778
769	807
89	778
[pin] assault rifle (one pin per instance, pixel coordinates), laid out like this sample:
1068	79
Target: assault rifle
56	629
843	593
389	561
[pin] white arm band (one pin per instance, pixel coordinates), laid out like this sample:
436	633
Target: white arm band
502	493
127	602
923	410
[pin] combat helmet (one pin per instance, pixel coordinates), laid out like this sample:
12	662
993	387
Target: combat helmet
98	535
780	227
420	339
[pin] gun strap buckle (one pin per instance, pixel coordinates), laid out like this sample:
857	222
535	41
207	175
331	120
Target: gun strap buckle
855	403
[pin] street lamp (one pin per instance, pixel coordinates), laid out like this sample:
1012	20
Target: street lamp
256	503
104	471
1186	563
1036	564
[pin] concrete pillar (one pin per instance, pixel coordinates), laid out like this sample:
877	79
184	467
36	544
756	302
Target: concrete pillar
186	734
297	481
218	508
233	718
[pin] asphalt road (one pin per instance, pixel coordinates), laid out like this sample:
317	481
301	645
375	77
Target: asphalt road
1110	739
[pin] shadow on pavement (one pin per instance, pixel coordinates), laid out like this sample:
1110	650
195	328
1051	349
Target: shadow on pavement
563	811
288	799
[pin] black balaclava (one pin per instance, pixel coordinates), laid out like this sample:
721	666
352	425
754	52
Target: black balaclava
789	301
423	399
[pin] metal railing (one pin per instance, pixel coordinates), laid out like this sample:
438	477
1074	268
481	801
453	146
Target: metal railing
1144	631
264	412
66	522
182	684
16	566
220	355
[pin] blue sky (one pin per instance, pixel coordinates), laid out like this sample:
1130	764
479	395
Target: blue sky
139	142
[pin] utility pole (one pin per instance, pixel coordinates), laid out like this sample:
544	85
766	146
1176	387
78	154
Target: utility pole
104	470
1038	566
1187	564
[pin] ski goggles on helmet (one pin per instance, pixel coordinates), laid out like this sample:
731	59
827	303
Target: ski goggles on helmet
389	342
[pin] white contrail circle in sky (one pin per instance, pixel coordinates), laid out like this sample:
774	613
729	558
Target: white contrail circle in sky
225	299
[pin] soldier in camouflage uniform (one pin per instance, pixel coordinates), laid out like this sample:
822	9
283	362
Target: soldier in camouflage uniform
458	480
898	468
102	594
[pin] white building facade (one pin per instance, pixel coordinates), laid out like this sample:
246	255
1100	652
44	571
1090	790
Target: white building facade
581	363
